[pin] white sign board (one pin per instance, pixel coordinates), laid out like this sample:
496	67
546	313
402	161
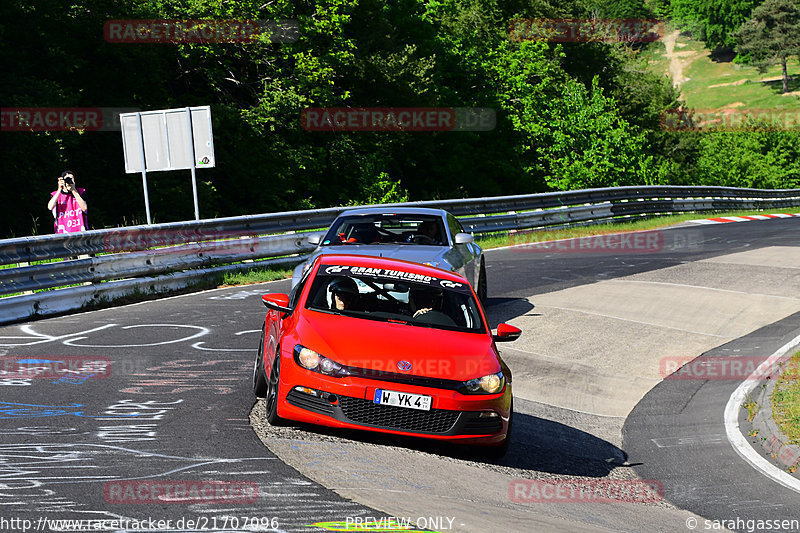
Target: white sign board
167	143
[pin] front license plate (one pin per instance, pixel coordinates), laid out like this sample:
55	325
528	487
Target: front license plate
403	399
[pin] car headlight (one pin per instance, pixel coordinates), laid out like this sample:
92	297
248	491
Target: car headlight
489	384
311	360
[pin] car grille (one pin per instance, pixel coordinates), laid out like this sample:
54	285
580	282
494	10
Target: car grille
388	416
310	403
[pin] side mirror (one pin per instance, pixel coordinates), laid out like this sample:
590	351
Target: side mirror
464	238
277	302
506	333
315	239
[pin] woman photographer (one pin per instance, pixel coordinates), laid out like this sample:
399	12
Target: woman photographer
67	204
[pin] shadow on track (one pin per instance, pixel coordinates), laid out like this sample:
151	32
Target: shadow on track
536	445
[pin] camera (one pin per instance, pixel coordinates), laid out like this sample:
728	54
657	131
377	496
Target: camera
68	181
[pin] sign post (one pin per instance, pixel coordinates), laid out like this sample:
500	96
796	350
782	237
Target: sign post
168	139
144	172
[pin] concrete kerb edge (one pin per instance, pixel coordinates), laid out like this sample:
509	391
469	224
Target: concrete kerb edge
734	429
769	435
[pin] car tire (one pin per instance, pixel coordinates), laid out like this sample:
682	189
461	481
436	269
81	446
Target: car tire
482	285
273	393
259	378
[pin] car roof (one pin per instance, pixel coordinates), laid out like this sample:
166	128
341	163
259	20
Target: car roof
389	210
390	263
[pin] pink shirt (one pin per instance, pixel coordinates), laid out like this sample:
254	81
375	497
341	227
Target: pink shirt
69	217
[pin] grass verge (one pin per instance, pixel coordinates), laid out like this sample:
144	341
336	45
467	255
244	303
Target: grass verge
617	226
254	276
786	400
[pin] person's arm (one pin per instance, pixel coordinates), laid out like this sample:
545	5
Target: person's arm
54	198
81	202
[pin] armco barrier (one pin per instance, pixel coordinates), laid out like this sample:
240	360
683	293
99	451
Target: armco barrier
165	257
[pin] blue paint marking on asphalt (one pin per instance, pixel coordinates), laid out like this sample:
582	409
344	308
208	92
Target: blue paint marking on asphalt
36	361
73	380
9	410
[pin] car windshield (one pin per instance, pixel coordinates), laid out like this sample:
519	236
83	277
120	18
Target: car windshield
404	298
426	230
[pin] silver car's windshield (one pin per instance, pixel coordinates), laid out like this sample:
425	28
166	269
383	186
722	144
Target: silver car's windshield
431	302
389	228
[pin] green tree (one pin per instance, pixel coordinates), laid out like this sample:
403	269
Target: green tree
570	135
716	20
761	158
771	36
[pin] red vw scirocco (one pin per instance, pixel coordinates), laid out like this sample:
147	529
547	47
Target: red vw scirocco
385	345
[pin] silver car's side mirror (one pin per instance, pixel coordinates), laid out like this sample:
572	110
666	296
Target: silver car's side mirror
314	239
464	238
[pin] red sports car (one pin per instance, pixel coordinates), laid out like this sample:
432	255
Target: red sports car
385	345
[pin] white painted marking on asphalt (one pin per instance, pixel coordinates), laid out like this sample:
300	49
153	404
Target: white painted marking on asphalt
202	331
692	440
199	346
44	338
735	437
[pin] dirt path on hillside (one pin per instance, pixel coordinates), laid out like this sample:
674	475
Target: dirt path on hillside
676	65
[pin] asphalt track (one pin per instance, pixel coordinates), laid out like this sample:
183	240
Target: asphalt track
174	405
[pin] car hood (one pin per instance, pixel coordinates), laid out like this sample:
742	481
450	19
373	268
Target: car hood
376	345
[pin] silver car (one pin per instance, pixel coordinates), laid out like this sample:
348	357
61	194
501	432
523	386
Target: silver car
429	236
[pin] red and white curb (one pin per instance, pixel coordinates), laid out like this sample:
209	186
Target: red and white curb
722	220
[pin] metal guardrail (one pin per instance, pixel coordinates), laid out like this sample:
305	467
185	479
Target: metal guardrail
165	257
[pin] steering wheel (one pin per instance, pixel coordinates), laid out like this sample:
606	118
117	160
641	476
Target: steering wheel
420	238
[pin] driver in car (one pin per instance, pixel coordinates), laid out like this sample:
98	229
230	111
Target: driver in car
427	233
345	293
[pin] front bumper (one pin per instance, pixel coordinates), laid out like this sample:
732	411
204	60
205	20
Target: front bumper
347	403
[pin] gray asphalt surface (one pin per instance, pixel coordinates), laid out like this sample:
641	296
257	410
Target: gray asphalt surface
175	408
171	410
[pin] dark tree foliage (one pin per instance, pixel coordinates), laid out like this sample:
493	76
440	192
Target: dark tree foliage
568	115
